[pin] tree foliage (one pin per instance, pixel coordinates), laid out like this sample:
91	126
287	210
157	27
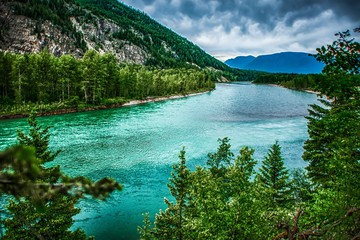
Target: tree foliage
45	197
170	224
275	177
332	149
292	81
222	158
213	205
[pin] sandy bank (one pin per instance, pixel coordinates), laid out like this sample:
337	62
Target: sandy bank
158	99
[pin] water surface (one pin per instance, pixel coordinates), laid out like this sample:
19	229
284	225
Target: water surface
137	145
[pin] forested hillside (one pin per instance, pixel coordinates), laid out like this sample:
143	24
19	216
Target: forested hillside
74	26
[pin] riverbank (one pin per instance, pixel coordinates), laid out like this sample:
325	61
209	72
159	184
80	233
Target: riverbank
301	90
101	107
159	99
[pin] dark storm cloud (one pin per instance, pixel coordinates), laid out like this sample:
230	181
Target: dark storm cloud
192	9
308	8
266	12
231	27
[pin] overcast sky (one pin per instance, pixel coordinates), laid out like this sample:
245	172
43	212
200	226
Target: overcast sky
229	28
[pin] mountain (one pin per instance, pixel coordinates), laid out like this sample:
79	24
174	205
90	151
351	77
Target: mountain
74	26
240	62
285	62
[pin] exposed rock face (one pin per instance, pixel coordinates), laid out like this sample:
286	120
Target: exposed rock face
25	35
18	34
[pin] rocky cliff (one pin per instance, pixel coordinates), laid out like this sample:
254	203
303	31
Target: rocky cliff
19	33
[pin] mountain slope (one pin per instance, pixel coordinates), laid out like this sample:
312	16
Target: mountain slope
74	26
240	61
285	62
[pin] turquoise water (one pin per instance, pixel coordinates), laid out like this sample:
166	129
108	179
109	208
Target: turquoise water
137	145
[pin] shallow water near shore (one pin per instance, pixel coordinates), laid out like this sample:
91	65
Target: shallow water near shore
137	145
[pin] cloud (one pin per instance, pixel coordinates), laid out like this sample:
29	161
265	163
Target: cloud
241	27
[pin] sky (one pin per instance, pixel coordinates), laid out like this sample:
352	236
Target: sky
230	28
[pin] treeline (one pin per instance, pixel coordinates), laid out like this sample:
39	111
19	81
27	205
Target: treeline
292	81
94	79
295	81
227	199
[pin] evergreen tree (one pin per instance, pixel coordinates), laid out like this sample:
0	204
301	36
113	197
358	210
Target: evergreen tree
332	149
207	206
38	138
301	185
19	168
275	177
6	61
243	168
222	158
52	221
243	209
170	224
145	231
69	70
46	213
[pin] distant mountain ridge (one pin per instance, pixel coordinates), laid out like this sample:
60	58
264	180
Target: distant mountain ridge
240	62
284	62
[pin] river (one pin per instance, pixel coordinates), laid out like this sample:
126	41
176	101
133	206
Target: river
137	145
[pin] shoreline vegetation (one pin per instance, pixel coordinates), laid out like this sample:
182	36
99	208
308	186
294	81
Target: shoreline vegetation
53	85
128	103
300	82
301	90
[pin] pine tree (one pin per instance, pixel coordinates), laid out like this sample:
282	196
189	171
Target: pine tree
169	224
46	213
55	218
242	205
275	177
332	149
221	159
39	139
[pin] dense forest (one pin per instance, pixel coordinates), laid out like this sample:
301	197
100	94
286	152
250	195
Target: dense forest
227	199
45	82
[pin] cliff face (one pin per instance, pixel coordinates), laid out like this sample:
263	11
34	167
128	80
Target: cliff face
98	33
17	33
22	34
